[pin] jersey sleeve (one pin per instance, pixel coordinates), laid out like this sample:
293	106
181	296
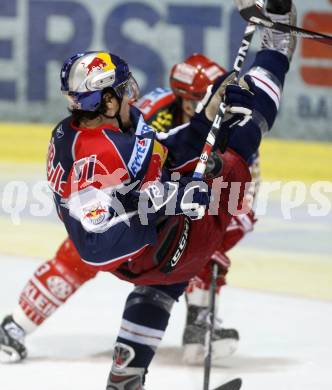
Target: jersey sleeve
185	143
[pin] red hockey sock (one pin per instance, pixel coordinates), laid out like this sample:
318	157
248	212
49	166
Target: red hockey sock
51	285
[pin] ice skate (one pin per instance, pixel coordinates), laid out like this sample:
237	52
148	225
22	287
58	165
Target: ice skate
224	341
121	376
12	348
281	11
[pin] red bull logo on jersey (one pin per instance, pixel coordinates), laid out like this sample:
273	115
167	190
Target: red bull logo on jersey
55	171
102	61
95	214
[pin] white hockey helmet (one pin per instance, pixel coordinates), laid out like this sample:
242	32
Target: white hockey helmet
84	76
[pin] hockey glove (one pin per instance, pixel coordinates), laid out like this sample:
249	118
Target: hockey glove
188	196
195	196
238	227
239	98
214	96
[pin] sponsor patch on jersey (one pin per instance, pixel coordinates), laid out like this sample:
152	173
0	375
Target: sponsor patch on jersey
138	156
163	121
142	127
95	214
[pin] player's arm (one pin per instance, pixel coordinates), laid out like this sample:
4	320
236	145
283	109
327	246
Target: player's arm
185	142
255	102
265	79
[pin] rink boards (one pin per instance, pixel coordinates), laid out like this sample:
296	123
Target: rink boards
281	159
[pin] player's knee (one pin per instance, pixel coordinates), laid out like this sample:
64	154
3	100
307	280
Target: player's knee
172	290
146	315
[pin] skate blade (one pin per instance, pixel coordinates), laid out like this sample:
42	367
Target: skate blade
8	355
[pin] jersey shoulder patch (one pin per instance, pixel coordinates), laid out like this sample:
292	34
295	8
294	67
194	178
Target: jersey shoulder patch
155	100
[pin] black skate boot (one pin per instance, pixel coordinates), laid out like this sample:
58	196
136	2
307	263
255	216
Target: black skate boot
12	349
280	7
224	341
121	376
282	11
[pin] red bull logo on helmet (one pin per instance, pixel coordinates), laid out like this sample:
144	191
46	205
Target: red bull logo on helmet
102	61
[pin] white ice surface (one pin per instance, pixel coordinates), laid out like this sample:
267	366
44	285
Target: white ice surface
286	342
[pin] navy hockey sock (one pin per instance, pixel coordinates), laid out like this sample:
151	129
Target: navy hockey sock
274	62
268	73
145	319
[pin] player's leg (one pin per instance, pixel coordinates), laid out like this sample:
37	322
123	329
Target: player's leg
266	77
49	288
224	340
144	322
282	11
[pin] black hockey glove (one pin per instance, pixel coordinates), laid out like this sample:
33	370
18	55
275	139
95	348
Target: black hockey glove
239	98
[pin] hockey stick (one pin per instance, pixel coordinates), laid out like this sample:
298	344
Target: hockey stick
211	138
210	326
234	384
198	174
255	15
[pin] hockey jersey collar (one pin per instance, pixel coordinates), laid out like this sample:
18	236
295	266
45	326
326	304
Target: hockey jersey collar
106	126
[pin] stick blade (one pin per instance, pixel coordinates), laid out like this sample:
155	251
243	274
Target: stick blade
234	384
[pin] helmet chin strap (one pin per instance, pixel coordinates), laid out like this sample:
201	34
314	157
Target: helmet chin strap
117	117
117	114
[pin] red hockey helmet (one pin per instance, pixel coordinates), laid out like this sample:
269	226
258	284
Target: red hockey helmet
191	78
